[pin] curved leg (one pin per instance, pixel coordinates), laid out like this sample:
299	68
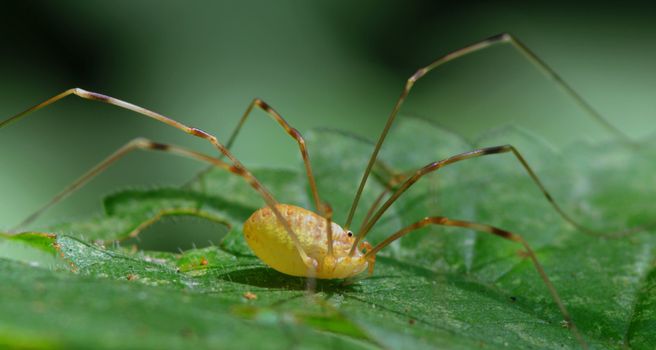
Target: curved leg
474	154
497	39
295	134
439	220
392	184
138	143
236	166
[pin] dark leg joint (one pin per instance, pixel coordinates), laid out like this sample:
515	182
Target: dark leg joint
237	170
497	149
265	106
158	146
499	37
199	133
502	233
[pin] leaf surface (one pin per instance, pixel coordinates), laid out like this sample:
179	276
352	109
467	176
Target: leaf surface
439	287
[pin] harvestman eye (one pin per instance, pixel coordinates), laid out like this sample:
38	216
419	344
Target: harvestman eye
335	254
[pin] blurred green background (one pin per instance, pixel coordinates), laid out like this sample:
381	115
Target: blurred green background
337	64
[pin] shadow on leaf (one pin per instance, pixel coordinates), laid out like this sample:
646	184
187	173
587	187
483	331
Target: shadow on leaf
265	277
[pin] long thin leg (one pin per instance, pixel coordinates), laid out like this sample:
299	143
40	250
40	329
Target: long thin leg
295	134
389	187
138	143
497	39
373	207
237	167
329	230
474	154
439	220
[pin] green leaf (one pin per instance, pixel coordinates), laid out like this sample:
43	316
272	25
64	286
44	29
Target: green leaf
33	248
435	288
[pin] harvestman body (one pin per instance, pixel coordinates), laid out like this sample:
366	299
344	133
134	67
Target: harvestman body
300	242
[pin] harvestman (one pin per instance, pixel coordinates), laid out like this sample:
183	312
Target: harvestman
300	242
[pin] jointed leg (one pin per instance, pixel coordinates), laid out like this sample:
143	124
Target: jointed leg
236	166
497	39
329	230
474	154
180	126
373	207
438	220
390	186
138	143
295	134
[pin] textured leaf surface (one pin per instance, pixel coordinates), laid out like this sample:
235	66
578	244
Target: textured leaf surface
438	287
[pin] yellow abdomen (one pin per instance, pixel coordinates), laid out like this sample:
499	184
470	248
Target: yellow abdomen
269	240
